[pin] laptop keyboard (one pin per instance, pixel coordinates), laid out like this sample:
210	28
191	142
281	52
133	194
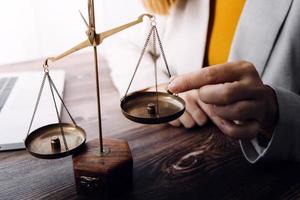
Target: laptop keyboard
6	86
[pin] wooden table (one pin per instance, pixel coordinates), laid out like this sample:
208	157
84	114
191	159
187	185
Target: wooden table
169	163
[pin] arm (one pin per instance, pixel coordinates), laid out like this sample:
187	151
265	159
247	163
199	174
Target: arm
122	54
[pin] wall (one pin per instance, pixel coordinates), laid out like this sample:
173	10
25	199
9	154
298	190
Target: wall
33	29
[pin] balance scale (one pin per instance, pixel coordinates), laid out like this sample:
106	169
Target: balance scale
102	166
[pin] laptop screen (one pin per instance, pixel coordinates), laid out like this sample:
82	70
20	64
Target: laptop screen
18	96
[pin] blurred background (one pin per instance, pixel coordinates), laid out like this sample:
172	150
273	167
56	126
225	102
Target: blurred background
34	29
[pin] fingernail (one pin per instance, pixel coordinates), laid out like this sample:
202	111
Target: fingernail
202	121
172	86
222	122
168	91
172	78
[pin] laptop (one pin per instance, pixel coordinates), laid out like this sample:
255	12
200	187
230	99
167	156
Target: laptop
18	95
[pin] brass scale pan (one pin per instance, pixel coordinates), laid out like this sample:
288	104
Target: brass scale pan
46	142
142	107
54	140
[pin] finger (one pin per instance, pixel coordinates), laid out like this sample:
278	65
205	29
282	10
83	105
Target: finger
227	93
221	73
175	123
197	114
187	120
207	108
229	128
246	130
200	117
241	110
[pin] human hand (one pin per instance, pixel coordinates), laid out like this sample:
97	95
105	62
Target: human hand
193	114
234	98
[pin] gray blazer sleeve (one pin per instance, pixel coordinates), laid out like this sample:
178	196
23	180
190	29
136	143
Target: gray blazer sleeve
285	142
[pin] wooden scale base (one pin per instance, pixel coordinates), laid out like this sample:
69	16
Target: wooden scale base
104	174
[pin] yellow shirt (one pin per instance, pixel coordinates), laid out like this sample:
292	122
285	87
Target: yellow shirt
224	16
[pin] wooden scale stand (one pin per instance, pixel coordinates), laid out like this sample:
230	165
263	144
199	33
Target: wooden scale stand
102	167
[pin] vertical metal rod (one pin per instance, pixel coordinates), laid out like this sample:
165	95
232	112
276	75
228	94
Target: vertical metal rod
98	99
92	27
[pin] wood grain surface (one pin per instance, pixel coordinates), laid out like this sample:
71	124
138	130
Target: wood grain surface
168	162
